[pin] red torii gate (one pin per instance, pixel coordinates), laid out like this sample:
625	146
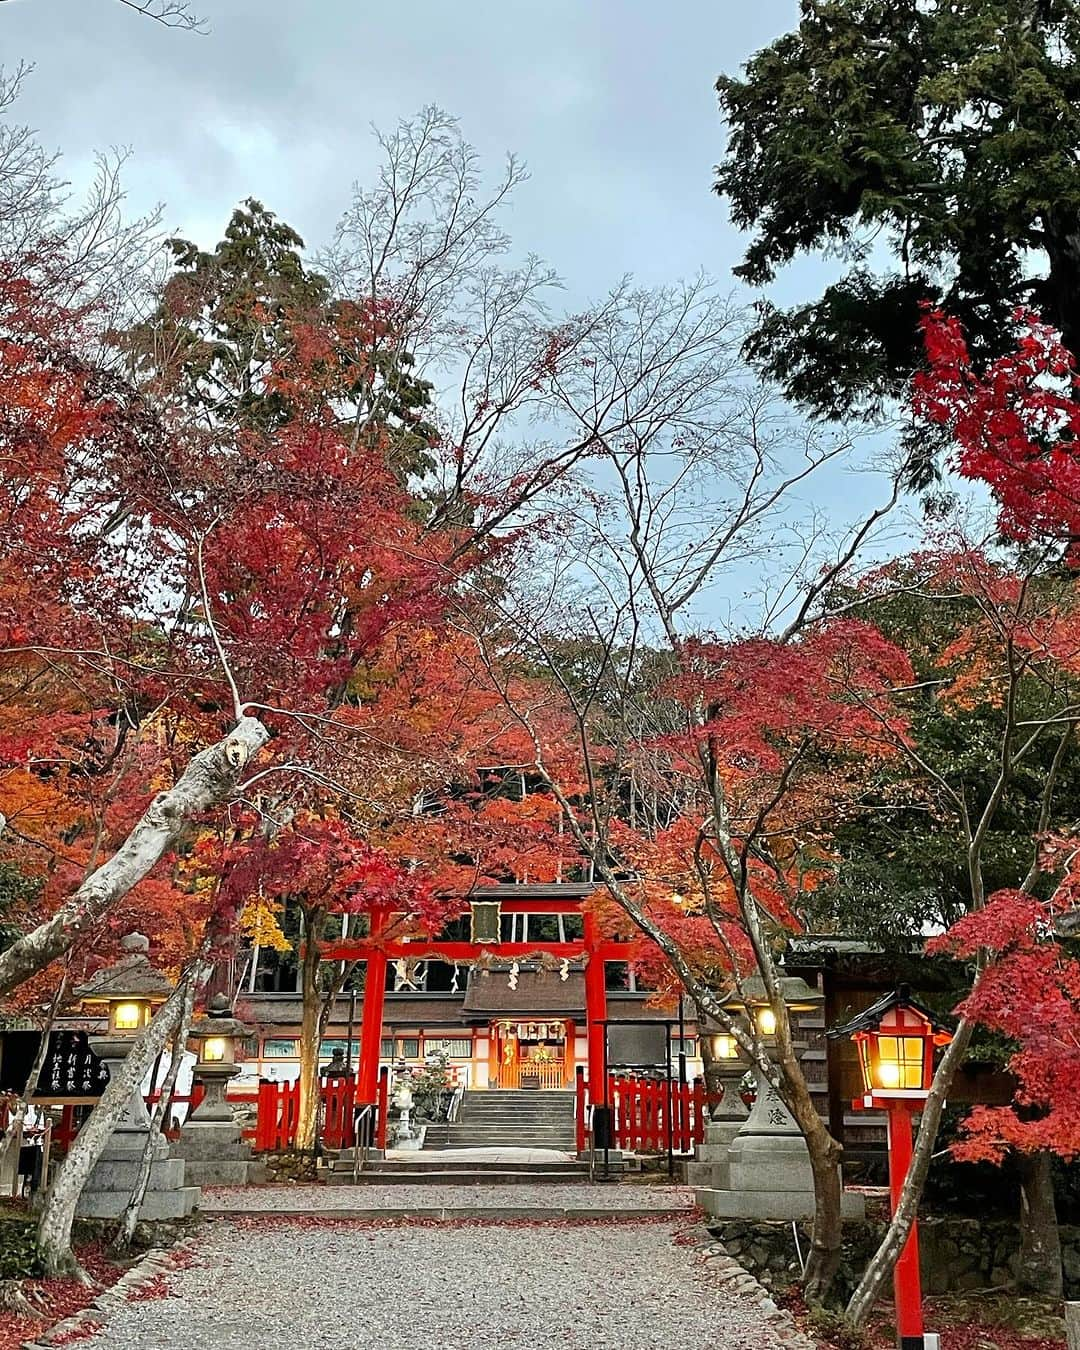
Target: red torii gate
377	951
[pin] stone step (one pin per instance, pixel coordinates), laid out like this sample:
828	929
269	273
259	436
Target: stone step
497	1139
536	1106
494	1175
510	1123
420	1163
532	1118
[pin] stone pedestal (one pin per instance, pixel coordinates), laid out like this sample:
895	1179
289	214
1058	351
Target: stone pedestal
211	1143
768	1174
710	1165
109	1186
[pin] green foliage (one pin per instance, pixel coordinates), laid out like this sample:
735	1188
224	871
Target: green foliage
903	862
19	1257
832	1326
943	135
429	1087
17	894
242	330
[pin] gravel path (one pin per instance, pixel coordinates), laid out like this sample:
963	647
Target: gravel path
268	1284
371	1196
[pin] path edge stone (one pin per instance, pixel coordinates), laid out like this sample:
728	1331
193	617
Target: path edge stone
149	1266
728	1274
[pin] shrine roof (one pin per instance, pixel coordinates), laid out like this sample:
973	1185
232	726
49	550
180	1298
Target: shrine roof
550	890
537	991
131	977
286	1010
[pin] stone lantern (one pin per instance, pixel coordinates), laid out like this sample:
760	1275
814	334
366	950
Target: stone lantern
764	1172
211	1141
129	991
729	1066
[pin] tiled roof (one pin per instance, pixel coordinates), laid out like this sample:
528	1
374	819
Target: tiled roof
133	977
551	890
537	991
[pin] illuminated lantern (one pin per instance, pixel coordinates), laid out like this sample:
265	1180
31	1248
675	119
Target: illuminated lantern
129	990
725	1046
895	1039
215	1036
797	995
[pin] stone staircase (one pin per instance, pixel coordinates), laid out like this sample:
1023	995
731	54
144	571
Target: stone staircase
498	1118
467	1167
501	1138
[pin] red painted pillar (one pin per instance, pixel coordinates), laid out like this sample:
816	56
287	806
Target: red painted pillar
907	1285
372	1016
382	1108
595	1010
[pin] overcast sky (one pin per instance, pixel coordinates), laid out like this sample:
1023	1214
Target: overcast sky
610	102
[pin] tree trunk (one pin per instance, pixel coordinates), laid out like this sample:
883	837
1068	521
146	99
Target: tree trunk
308	1112
1039	1271
58	1214
825	1153
209	778
714	1084
126	1232
824	1259
1059	294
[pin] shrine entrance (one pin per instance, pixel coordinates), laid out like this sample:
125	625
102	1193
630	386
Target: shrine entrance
536	1054
525	1051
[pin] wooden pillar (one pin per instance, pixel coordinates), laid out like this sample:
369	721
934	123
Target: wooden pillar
494	1051
595	1009
371	1018
907	1285
1072	1325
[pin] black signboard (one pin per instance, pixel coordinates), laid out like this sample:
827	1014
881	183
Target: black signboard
71	1069
633	1045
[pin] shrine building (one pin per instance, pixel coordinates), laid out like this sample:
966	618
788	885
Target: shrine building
513	992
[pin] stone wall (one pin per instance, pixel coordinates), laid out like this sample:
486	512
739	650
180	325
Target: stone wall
955	1254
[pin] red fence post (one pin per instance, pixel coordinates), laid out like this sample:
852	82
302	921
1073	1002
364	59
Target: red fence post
328	1099
700	1111
262	1117
348	1117
292	1119
382	1106
65	1132
685	1130
579	1107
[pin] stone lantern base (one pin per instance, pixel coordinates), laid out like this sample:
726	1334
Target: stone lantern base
762	1170
109	1186
211	1143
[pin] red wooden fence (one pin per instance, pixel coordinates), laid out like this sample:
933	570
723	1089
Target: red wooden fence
279	1112
646	1110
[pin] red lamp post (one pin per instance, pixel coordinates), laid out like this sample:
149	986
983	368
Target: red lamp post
896	1038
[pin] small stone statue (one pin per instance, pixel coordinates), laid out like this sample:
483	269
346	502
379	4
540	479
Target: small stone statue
337	1068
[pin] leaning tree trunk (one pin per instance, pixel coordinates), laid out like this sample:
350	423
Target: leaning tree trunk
308	1112
825	1153
209	778
126	1232
1039	1271
58	1214
714	1084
